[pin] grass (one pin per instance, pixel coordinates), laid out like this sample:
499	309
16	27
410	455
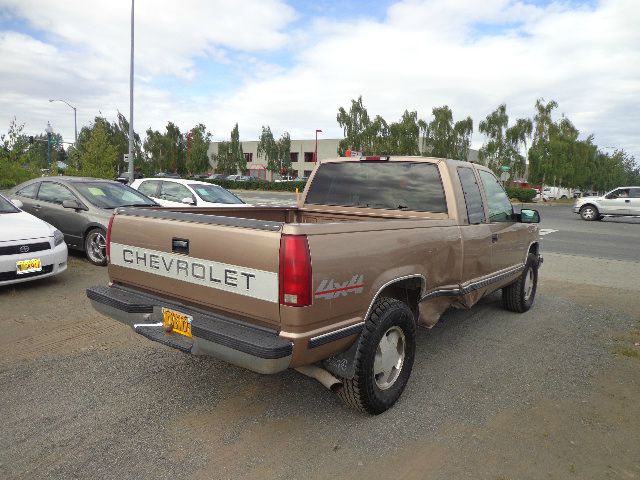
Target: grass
631	352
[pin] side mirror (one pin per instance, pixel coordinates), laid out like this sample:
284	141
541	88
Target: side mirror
72	204
16	203
529	216
188	201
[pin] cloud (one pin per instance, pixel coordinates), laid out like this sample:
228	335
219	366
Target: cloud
294	75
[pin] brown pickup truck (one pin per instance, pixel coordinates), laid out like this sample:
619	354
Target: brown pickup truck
334	287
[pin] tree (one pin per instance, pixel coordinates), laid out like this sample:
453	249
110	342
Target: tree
235	150
98	156
360	132
403	136
198	152
516	138
268	149
224	161
444	139
539	154
284	153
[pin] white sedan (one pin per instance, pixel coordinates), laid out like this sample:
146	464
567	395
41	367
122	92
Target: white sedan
30	248
178	192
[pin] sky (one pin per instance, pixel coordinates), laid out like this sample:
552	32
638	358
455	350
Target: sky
292	64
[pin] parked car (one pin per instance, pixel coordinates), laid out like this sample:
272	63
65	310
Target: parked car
79	207
124	177
30	248
239	178
216	176
179	192
286	178
167	175
622	201
302	179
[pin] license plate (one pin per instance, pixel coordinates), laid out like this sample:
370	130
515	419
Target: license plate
177	322
28	266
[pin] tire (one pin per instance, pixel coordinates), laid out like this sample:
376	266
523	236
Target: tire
589	213
95	245
519	296
390	324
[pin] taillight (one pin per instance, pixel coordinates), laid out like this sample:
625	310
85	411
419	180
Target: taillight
109	239
295	271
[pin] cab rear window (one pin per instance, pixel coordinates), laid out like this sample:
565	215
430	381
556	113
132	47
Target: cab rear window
414	186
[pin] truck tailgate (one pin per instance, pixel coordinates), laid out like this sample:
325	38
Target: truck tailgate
224	264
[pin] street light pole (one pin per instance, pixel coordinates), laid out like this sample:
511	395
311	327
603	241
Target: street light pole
315	155
131	102
75	118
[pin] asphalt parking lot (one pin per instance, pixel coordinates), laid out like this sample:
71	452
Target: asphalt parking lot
552	393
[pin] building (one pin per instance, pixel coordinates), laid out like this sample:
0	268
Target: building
302	156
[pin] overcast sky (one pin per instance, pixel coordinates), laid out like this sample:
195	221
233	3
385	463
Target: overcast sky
291	65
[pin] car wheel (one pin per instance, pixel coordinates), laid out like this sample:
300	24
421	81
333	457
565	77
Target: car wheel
519	296
384	358
95	246
589	213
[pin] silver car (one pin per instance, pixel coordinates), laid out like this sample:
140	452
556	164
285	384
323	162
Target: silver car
622	201
79	207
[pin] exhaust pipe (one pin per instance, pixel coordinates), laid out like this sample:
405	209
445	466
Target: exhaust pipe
323	376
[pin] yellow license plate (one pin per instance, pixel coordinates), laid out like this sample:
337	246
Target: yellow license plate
28	266
177	322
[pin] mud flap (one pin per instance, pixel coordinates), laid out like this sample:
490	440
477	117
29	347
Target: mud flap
343	365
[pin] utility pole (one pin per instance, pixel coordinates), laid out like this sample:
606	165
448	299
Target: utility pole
131	102
49	131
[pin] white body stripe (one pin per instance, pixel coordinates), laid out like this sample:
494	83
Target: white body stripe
221	276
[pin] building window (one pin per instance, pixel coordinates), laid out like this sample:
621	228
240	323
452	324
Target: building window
293	156
308	156
307	173
248	157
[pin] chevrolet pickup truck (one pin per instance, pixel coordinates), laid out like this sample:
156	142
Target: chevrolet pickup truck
334	287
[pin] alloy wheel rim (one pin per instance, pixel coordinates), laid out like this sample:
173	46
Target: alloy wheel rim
528	284
389	357
97	247
589	213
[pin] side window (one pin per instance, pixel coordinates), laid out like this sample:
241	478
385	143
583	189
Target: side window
149	188
54	193
500	209
29	191
472	197
634	193
174	192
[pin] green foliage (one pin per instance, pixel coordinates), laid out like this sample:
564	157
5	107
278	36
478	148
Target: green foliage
268	149
198	154
260	185
11	173
444	139
98	157
235	150
522	194
166	151
360	132
224	162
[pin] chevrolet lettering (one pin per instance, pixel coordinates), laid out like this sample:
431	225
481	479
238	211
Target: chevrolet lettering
334	287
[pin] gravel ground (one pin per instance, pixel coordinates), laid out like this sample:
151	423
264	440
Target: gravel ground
546	394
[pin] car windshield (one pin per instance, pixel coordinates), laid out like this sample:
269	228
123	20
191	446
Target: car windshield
112	195
214	194
6	206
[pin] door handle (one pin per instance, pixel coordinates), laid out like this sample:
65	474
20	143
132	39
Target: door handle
627	201
494	238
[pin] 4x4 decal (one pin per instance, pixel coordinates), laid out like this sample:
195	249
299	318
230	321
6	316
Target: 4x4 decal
330	289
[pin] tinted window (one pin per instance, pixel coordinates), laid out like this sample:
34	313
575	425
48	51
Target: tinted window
54	193
29	191
174	192
388	185
472	197
112	195
6	206
149	188
214	194
634	193
500	209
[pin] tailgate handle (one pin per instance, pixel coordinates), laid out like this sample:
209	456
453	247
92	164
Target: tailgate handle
180	245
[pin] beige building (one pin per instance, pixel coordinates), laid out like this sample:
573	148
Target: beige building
302	156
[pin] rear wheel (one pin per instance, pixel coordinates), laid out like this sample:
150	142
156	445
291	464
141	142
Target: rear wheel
519	296
589	213
95	246
384	358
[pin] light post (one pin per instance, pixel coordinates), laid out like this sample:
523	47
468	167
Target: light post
131	102
75	120
49	131
315	154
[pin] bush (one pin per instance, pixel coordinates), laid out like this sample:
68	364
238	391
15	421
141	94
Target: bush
260	185
522	194
12	174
